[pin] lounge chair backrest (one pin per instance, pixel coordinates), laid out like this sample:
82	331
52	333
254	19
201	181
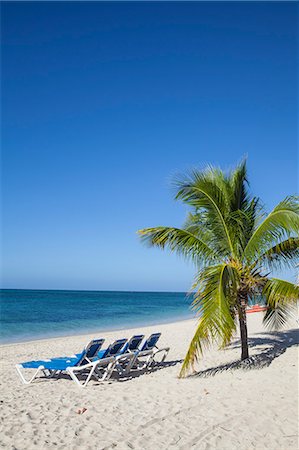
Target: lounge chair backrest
133	343
90	351
114	348
151	342
93	347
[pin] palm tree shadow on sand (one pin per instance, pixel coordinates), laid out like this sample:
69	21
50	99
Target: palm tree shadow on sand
272	346
276	344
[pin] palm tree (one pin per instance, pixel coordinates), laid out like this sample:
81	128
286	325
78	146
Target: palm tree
234	246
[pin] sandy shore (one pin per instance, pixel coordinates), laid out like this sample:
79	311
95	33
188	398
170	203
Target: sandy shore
220	408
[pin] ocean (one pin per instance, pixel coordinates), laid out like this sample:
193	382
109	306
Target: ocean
38	314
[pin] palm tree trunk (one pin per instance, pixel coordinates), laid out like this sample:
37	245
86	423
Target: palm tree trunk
243	328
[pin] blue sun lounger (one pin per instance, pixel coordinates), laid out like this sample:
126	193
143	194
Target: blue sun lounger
133	344
148	350
127	354
90	362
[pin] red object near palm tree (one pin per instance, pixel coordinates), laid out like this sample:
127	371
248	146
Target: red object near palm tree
256	308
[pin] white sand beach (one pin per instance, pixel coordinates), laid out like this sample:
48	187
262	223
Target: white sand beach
219	408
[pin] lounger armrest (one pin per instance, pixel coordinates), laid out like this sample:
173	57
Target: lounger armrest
97	362
165	349
125	357
144	353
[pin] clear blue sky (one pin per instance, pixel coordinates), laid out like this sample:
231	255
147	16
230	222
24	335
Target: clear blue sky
102	103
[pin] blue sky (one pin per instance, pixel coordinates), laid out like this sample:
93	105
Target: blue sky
102	103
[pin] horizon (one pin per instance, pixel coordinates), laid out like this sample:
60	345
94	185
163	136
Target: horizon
94	290
103	103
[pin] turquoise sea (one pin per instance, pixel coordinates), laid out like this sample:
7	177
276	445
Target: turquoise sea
37	314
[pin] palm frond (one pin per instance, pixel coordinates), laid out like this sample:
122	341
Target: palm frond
281	223
245	210
214	303
207	191
196	224
239	187
194	221
238	223
277	317
280	292
181	241
254	215
285	253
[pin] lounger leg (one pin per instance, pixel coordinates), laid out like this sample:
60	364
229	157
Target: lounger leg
74	377
109	370
149	361
102	376
52	373
131	364
107	374
151	358
19	367
89	377
166	351
129	360
97	374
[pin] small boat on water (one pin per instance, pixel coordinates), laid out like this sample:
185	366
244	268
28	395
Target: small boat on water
256	308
